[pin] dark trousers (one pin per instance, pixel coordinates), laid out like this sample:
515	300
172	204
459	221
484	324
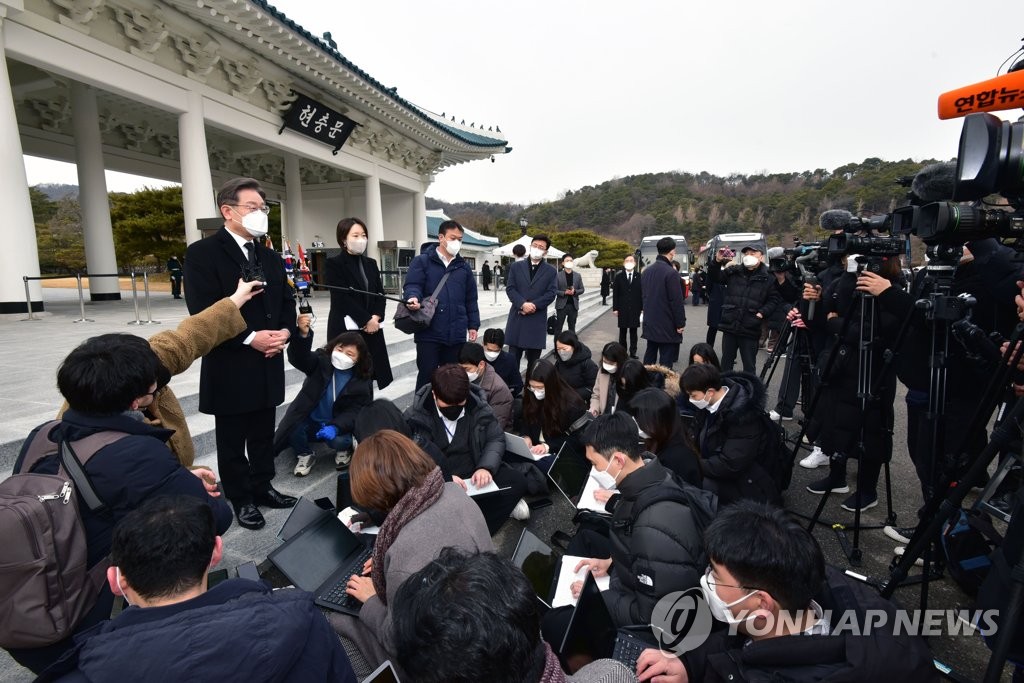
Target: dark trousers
632	339
176	286
712	333
566	312
430	356
696	297
747	347
305	432
496	507
669	353
237	435
532	355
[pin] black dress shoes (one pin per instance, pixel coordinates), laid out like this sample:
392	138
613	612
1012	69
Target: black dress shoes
272	498
249	516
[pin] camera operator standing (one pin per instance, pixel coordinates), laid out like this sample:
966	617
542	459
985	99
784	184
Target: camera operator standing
750	295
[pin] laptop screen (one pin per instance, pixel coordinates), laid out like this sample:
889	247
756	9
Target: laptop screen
537	561
569	473
310	557
591	633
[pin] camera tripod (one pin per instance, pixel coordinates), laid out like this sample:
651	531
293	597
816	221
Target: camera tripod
795	343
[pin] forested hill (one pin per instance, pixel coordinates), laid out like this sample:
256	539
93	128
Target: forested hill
702	205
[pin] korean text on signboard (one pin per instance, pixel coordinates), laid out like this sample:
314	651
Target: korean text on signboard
318	121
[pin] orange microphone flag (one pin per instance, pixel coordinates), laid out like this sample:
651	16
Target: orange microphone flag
995	94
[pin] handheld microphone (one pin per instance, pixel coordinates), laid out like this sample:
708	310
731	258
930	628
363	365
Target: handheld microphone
995	94
835	219
935	183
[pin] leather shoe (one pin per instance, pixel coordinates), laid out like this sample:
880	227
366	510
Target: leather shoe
249	516
272	498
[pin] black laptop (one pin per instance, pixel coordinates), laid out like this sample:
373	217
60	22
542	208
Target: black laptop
592	634
537	560
569	473
320	559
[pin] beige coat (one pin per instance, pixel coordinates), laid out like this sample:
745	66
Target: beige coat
177	349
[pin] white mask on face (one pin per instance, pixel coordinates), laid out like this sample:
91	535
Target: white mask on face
473	376
610	368
492	355
720	608
452	247
749	260
629	266
567	265
603	479
536	254
565	355
539	393
340	361
117	574
700	403
255	223
356	246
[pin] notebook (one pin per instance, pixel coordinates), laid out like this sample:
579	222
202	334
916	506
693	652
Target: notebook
320	559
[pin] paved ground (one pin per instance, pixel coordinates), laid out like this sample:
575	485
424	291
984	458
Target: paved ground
28	396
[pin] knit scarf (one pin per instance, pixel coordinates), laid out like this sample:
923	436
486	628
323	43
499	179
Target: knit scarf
552	668
416	500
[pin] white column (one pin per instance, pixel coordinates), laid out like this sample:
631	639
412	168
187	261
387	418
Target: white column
19	256
419	220
374	216
100	257
196	182
293	201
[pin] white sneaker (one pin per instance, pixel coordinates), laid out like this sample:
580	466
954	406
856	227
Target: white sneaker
817	458
521	511
899	550
304	465
899	534
342	458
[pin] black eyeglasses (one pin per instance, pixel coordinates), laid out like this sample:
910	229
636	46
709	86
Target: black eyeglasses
265	208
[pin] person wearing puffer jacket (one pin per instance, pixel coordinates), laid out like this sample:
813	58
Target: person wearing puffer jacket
750	297
575	364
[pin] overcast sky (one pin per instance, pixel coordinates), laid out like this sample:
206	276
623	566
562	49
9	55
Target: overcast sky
589	90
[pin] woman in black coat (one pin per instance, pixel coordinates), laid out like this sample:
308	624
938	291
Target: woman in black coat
350	311
339	384
551	408
664	433
574	363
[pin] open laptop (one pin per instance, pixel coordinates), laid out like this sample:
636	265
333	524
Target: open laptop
592	634
385	673
537	560
517	445
571	476
320	559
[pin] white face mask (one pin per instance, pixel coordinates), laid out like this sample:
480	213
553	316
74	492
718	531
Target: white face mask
492	355
117	573
567	265
473	376
603	479
629	266
539	393
720	608
565	355
749	260
340	361
536	254
356	246
452	247
701	403
255	223
610	368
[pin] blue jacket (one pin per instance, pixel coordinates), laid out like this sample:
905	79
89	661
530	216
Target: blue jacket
529	331
239	630
457	309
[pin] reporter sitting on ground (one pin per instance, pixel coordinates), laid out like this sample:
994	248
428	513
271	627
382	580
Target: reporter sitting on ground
178	629
664	434
177	349
466	618
453	414
503	362
704	353
573	362
655	537
633	377
424	515
603	396
338	384
778	595
471	358
552	409
730	433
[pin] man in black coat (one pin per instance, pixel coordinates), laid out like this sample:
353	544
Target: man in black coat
174	272
628	302
664	307
242	380
750	296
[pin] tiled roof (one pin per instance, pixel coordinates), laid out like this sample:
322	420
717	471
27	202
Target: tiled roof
434	222
475	139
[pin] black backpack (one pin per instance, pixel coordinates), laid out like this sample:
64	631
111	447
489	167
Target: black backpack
774	457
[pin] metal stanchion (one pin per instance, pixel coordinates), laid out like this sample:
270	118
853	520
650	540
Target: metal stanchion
28	300
81	301
149	311
135	301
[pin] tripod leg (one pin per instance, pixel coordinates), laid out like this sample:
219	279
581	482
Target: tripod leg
1007	625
